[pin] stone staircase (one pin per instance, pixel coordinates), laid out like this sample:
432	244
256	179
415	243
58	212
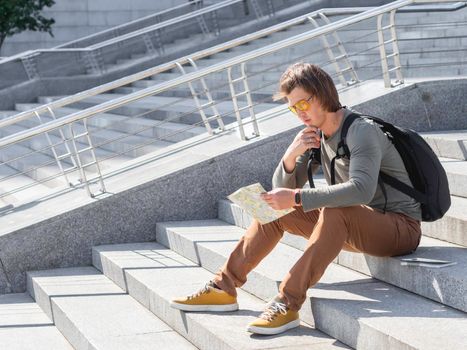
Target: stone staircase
362	302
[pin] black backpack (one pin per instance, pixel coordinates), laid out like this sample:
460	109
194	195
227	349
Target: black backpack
429	180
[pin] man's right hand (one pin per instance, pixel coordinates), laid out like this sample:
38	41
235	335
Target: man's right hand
305	139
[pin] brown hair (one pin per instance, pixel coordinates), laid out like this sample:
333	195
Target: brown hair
312	79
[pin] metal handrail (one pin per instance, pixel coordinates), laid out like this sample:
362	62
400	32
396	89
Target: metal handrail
173	64
128	24
169	22
189	77
199	55
119	39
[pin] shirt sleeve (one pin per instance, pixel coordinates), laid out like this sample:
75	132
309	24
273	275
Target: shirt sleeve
295	179
365	162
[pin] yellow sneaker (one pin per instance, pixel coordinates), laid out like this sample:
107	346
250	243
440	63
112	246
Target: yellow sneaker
275	319
209	298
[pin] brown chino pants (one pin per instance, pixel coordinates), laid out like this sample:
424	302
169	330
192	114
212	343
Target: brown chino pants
358	229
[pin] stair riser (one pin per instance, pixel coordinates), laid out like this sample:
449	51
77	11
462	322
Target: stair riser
456	149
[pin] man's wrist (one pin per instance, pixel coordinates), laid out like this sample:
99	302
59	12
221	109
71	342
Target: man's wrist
289	162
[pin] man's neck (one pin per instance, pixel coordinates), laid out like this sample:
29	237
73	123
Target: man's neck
332	122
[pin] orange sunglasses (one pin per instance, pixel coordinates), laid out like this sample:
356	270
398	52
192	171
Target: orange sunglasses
301	105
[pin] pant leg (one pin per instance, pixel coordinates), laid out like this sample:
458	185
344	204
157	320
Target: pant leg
360	228
258	242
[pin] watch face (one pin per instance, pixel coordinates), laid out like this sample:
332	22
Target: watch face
297	198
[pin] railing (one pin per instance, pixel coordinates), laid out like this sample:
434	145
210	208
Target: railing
151	41
168	116
203	54
132	26
173	64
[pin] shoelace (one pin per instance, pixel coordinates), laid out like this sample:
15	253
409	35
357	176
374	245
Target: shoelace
204	290
272	310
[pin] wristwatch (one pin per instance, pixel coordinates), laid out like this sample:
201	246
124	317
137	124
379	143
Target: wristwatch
298	197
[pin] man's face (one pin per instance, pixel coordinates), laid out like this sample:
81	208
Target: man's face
313	115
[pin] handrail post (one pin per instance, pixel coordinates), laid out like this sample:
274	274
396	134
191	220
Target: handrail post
30	66
204	118
235	95
395	48
382	50
81	166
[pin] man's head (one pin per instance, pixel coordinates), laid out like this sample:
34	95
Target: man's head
310	92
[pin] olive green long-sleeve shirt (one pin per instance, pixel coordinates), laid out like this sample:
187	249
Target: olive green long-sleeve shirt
357	178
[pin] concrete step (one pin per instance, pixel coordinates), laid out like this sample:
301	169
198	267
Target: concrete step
220	79
373	71
361	312
217	93
11	180
435	284
23	325
94	313
40	142
453	226
172	132
358	44
456	171
419	71
432	17
112	140
275	66
180	110
5	114
38	166
452	144
364	70
154	275
190	39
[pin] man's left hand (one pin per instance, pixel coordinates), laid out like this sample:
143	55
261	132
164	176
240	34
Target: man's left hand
279	198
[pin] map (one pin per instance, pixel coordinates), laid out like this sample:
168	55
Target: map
248	199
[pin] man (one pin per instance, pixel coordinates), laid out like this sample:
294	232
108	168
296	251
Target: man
353	214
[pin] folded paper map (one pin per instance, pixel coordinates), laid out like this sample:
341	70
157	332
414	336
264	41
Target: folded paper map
248	199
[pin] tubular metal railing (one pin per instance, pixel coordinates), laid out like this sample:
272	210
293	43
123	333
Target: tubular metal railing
174	64
137	24
198	56
149	41
152	116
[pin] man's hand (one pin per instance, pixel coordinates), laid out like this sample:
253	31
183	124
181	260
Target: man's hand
279	198
305	139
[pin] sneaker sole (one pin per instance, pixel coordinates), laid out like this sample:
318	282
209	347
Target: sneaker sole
275	330
212	308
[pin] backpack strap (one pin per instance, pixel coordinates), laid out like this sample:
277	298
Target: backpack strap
343	151
404	188
315	158
342	148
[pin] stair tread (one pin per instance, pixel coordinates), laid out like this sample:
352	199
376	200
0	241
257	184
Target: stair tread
379	306
147	264
101	312
23	325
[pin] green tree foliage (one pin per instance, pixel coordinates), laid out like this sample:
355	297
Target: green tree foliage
20	15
